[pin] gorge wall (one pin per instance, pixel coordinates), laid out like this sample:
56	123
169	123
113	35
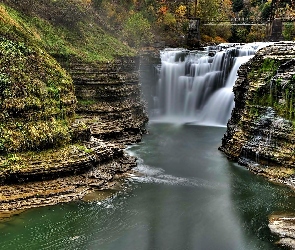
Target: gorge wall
67	111
261	132
109	99
109	115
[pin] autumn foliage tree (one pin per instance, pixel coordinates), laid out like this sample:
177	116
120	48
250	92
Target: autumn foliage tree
136	30
141	22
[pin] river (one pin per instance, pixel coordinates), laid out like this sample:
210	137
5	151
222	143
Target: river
188	196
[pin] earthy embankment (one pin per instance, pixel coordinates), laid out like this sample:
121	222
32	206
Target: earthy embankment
261	132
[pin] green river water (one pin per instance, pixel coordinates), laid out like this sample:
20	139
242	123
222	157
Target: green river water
189	196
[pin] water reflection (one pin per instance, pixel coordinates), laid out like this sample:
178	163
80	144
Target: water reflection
255	199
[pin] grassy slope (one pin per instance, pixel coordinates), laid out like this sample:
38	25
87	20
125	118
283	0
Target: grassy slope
66	29
37	101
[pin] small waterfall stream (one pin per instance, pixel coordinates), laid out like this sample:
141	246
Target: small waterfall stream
196	88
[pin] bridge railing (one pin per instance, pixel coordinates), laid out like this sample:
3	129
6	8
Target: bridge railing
246	20
243	21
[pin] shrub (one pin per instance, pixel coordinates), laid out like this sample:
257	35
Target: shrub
289	31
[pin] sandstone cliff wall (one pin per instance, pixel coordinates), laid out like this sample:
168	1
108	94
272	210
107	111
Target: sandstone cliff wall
109	99
65	117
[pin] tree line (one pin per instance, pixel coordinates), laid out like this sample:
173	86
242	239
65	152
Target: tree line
142	22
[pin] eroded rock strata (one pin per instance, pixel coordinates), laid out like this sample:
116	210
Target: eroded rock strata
261	132
284	226
109	115
109	99
70	102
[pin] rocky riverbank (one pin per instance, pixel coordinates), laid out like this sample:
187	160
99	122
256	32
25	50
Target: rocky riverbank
260	134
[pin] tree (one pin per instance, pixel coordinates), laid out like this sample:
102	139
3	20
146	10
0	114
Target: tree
137	30
256	34
238	5
266	10
289	31
97	3
214	9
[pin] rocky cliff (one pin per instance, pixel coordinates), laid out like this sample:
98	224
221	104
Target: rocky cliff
70	102
261	131
109	115
109	99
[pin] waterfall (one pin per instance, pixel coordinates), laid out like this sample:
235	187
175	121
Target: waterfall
194	87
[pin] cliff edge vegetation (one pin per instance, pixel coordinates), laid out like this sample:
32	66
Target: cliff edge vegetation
68	29
37	98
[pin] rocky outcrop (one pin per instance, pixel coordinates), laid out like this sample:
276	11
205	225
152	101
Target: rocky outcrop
261	133
62	176
284	226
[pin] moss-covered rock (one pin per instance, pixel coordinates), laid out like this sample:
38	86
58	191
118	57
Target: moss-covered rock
45	47
261	132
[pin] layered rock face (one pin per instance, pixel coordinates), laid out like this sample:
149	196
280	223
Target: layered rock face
109	99
110	114
53	148
261	132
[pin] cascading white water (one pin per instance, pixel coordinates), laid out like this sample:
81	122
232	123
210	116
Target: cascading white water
197	88
218	108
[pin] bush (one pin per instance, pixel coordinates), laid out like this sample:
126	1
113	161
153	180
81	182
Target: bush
256	34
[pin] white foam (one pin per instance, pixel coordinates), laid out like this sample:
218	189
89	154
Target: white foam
148	174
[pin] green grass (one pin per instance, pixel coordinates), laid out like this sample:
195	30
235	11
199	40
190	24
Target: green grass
86	102
83	39
37	100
